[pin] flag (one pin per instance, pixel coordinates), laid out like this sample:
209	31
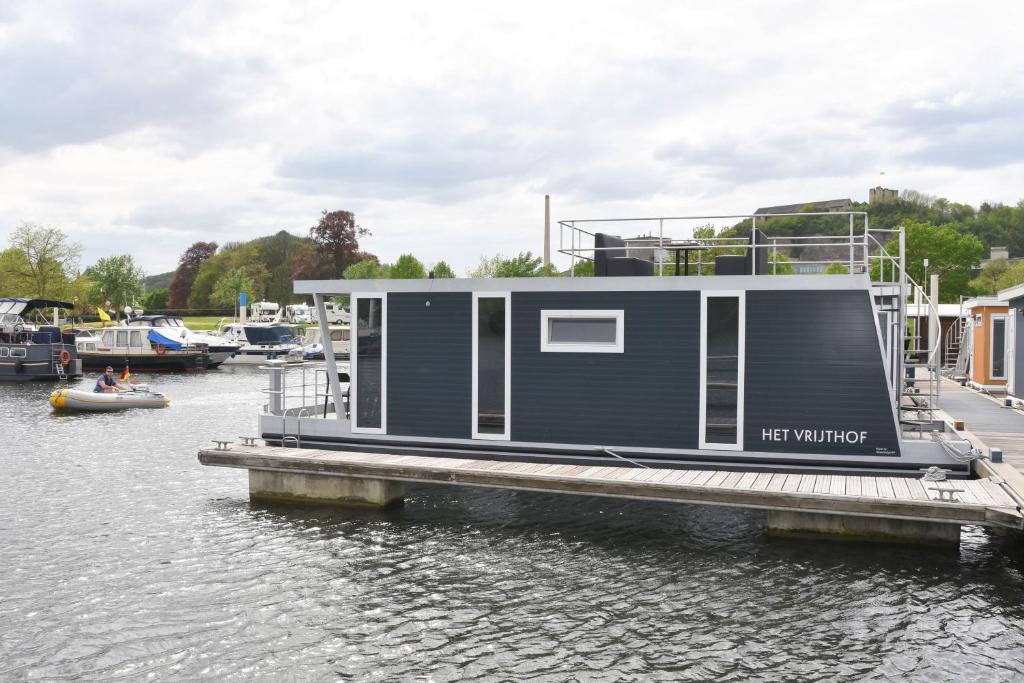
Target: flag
102	314
125	375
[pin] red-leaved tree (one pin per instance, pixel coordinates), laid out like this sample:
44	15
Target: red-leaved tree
185	274
335	246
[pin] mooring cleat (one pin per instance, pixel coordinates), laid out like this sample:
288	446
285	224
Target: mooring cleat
222	444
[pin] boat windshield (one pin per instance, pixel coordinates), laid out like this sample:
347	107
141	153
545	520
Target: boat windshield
177	322
279	334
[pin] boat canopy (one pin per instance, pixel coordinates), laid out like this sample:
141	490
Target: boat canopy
156	337
22	306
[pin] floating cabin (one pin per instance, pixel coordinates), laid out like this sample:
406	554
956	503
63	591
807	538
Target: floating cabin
726	364
1013	297
989	333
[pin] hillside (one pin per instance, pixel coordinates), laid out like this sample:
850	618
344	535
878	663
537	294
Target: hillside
159	281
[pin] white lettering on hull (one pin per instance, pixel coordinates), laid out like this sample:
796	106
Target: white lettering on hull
843	436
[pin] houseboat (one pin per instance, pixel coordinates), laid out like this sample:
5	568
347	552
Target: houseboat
141	349
35	352
742	368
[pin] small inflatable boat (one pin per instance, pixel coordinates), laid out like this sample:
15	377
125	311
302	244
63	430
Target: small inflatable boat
139	397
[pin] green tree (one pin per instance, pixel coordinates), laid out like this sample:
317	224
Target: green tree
230	285
117	279
367	269
407	267
837	269
442	270
14	280
50	259
997	275
525	264
585	269
233	256
950	254
156	298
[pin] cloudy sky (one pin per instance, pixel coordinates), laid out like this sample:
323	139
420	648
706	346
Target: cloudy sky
143	127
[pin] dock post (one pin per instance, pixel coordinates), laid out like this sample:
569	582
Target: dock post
321	489
276	394
851	527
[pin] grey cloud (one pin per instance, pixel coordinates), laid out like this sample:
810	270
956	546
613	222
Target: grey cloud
775	157
974	134
432	164
120	72
608	183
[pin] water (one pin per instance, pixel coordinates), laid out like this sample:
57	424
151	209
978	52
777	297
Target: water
122	557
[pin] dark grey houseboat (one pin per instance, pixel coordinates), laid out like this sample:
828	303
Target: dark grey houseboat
741	368
29	351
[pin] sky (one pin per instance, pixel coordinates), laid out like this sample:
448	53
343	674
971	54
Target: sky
143	127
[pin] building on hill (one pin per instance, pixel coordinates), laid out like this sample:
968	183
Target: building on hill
829	205
882	195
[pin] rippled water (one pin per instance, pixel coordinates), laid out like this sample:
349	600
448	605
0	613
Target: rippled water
122	557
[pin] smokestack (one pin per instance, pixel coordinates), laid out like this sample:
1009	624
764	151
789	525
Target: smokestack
547	229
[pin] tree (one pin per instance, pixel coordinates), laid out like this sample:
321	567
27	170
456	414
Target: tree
525	264
116	279
230	285
51	259
185	274
407	267
367	269
442	270
997	275
156	298
583	268
13	269
336	239
950	254
248	255
837	269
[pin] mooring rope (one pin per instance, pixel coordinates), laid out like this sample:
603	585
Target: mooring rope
620	457
968	455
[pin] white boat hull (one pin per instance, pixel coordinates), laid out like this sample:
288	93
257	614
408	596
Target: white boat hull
74	399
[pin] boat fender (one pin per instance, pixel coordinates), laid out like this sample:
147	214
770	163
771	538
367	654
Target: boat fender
161	349
65	357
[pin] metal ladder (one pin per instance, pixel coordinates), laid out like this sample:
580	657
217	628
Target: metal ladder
55	352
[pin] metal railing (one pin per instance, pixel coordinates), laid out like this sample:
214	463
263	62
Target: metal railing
578	242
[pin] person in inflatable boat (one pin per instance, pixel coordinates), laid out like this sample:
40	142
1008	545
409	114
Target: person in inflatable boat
107	382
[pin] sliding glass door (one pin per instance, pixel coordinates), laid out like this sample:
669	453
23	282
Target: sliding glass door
721	370
492	353
369	364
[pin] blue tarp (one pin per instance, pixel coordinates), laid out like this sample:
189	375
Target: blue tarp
157	338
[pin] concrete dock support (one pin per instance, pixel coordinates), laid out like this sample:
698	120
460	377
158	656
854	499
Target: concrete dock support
320	489
846	527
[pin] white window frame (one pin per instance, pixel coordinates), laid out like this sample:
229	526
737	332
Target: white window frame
353	361
992	345
741	345
507	434
619	316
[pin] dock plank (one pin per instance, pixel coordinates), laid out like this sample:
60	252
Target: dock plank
983	502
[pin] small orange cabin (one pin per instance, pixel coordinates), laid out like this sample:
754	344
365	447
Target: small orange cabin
988	320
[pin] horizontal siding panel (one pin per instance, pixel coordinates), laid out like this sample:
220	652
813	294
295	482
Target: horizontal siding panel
646	396
813	361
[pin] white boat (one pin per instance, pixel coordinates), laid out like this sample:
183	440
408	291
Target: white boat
139	397
312	342
219	348
261	342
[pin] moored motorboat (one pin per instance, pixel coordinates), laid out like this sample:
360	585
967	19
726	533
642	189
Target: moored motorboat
218	348
140	396
141	349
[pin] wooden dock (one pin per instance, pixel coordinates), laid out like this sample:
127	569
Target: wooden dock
896	500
